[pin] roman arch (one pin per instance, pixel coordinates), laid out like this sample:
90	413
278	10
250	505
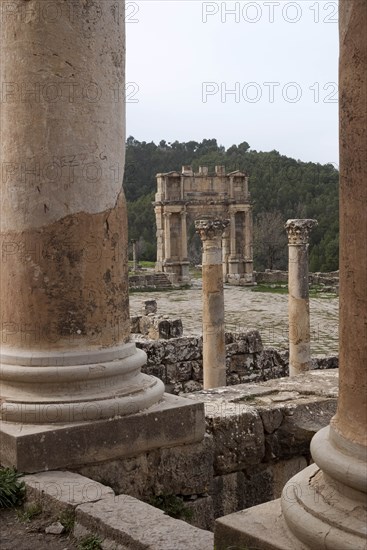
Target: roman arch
182	198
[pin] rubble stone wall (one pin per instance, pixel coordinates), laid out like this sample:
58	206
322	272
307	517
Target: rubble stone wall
178	362
327	279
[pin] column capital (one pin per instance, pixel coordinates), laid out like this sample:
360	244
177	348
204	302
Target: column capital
167	214
209	229
299	230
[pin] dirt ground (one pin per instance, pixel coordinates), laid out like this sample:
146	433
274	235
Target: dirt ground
16	534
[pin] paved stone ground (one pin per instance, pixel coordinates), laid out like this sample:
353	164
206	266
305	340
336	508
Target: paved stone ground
245	309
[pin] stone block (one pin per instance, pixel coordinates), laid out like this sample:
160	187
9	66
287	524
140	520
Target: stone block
238	435
227	493
192	386
197	370
160	329
241	363
283	471
272	418
257	486
202	512
176	328
135	525
184	371
181	470
149	306
259	528
184	349
249	342
31	448
60	490
135	324
301	420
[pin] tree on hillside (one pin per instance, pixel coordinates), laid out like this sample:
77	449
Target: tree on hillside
270	241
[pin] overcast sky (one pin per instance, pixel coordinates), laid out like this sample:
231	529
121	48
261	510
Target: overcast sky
266	73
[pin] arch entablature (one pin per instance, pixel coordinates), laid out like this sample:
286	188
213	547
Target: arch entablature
182	198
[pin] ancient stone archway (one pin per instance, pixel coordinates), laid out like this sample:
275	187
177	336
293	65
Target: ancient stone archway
187	196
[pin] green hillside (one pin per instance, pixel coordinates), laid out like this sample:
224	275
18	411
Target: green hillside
280	187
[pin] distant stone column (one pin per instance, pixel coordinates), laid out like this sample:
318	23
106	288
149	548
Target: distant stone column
214	352
167	235
298	305
249	236
232	235
225	253
183	235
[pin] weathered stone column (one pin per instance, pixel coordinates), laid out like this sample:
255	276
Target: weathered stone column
325	505
65	350
298	305
167	235
232	235
214	352
183	235
248	232
225	252
330	510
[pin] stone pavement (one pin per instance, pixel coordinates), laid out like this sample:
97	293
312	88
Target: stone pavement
245	310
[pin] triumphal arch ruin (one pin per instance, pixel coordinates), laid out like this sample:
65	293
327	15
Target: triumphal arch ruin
184	197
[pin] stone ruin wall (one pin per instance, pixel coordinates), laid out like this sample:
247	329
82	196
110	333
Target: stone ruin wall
257	437
178	362
329	280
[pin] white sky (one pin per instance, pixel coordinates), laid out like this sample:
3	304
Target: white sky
184	56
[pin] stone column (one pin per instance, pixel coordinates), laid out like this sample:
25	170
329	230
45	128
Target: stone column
167	235
135	260
232	234
330	508
225	253
158	209
325	505
298	305
184	235
214	351
65	350
248	231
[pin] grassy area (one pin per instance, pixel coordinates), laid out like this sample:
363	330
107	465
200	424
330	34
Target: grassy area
143	264
315	291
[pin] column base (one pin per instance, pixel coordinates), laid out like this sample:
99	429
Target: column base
75	386
306	518
34	448
322	514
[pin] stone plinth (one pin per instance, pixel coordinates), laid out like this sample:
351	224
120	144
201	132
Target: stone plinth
214	351
33	448
298	306
72	390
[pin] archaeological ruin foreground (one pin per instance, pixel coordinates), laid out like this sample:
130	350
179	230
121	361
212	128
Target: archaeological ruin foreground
93	434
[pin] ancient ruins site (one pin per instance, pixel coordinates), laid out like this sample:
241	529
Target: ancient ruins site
214	416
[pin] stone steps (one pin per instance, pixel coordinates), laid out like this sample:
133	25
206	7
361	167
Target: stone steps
159	281
121	522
